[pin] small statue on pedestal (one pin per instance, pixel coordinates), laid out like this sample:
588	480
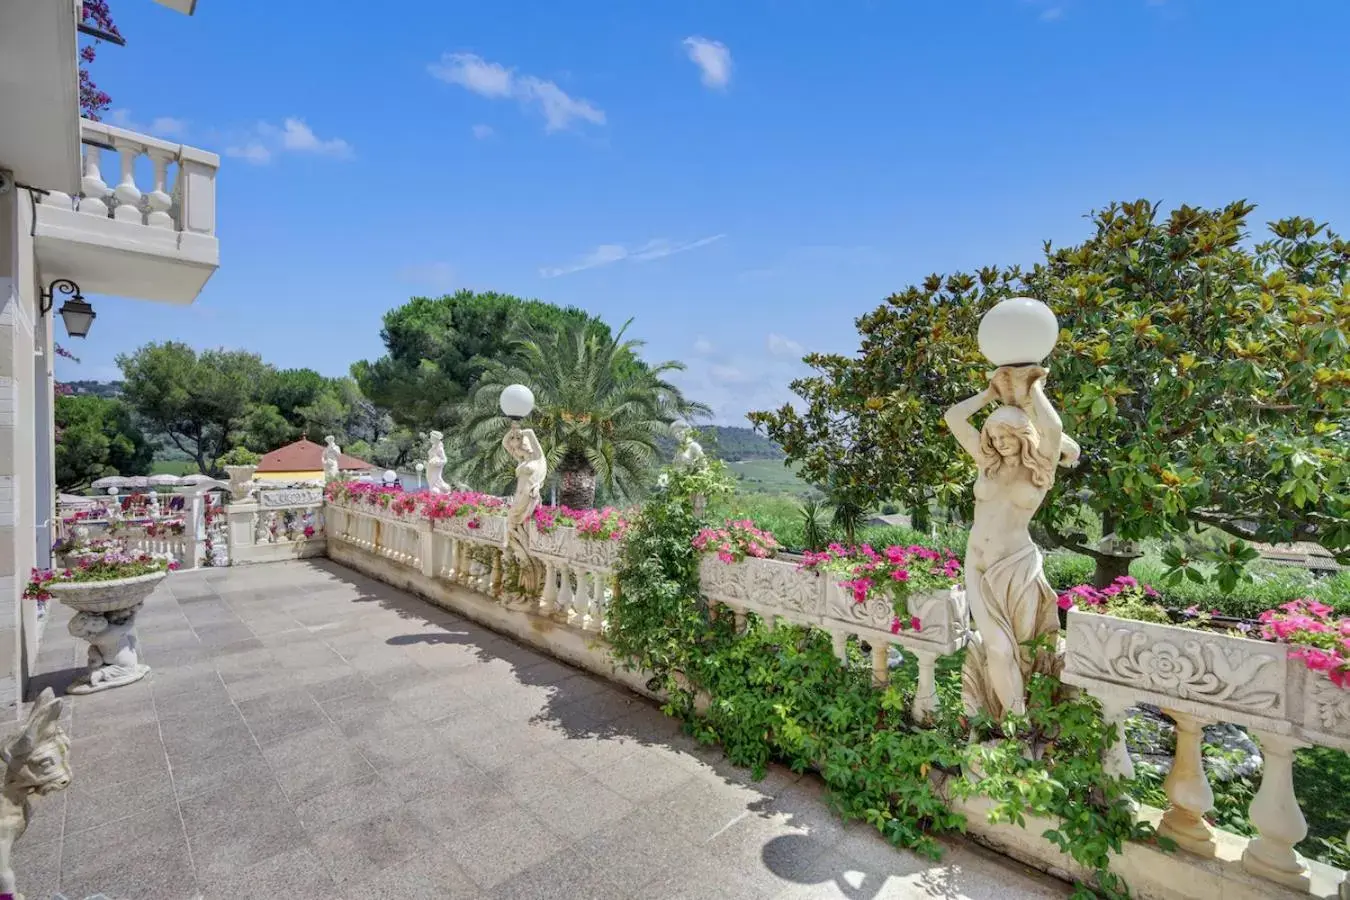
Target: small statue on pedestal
331	454
436	464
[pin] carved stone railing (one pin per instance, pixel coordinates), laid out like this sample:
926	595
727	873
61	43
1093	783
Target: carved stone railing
579	584
282	521
779	589
1199	678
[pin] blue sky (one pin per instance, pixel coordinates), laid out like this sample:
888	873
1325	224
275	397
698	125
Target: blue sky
741	178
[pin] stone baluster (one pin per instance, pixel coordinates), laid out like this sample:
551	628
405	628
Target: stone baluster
159	200
925	696
839	643
461	562
1116	760
128	196
599	602
881	671
738	615
93	189
548	602
582	603
1188	792
565	596
495	587
1275	813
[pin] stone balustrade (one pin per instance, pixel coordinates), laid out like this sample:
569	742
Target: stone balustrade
143	223
277	522
179	194
578	585
1200	678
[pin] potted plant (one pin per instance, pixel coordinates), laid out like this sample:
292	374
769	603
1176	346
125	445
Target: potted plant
240	464
106	589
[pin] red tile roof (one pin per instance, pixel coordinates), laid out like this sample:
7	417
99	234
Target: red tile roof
306	456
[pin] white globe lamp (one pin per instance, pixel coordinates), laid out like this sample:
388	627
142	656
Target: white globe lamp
517	401
390	476
1018	331
112	492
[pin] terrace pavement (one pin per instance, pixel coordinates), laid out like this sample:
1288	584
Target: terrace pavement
307	732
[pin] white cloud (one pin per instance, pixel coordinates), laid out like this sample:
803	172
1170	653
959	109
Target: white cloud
608	254
252	152
437	275
265	141
497	82
733	383
160	127
483	132
1052	13
784	346
713	59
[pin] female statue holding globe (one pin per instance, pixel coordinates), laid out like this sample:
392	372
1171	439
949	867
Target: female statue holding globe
1016	452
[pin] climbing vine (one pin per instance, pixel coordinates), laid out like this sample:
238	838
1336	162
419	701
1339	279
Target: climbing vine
780	694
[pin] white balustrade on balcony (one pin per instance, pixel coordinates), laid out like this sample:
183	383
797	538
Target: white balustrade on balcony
139	196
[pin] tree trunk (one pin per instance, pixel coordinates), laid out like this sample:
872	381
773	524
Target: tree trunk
919	519
1109	568
577	490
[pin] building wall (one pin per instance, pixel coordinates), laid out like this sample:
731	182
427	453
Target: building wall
21	333
314	475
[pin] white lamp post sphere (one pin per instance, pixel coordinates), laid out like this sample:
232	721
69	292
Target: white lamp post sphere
390	476
1018	331
517	401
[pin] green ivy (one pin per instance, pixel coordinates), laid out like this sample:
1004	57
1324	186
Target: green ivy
780	694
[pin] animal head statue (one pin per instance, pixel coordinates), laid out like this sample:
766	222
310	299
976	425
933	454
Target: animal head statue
37	759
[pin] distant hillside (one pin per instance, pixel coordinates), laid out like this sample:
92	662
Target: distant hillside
97	388
729	442
733	443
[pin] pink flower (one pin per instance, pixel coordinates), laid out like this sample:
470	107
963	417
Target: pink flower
914	622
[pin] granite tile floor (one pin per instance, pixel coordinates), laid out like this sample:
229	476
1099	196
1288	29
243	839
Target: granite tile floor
307	732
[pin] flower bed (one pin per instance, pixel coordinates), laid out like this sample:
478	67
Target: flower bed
1318	638
736	540
895	574
413	504
608	524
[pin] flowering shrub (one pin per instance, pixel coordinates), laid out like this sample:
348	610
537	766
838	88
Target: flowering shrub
1126	598
409	503
894	572
169	526
309	532
1322	643
736	540
608	524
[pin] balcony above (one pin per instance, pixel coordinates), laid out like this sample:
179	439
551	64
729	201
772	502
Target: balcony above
150	235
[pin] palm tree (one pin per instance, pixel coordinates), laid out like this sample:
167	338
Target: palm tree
598	413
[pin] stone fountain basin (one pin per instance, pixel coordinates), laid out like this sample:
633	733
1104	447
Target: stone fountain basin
113	596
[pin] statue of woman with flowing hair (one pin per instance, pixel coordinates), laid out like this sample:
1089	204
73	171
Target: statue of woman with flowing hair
531	470
436	464
1016	453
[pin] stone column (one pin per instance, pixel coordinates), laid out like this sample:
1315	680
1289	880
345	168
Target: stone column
1275	813
1188	792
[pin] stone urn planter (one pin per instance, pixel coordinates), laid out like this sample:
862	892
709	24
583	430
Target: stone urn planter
106	617
240	476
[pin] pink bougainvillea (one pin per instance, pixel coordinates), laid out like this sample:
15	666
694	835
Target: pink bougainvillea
607	524
894	572
736	540
1321	638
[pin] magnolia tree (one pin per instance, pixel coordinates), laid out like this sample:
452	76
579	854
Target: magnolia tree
1205	377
